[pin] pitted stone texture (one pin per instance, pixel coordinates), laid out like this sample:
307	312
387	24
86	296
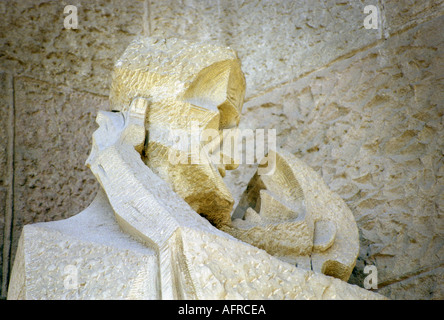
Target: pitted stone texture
105	263
52	140
402	14
277	41
372	126
187	84
90	258
5	106
36	44
427	285
250	273
110	272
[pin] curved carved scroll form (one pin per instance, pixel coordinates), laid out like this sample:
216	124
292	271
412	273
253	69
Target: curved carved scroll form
293	215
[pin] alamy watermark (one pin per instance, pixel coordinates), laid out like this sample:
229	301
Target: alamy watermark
71	20
371	281
197	146
70	277
371	21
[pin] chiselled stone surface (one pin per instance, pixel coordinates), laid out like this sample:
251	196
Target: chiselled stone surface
188	257
293	215
52	138
403	14
36	44
178	82
253	274
425	285
188	85
372	126
289	38
276	40
94	260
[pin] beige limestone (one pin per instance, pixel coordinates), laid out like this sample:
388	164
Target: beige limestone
186	84
277	41
109	264
33	43
421	284
105	262
399	15
298	219
190	258
178	82
37	45
372	126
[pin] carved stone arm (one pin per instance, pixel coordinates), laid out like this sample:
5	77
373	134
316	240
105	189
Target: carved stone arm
144	205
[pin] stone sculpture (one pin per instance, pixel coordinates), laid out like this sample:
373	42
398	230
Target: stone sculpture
162	229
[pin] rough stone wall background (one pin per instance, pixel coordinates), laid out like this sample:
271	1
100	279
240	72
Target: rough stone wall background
53	81
362	107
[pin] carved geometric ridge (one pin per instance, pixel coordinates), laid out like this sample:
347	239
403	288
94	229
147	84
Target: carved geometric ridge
293	215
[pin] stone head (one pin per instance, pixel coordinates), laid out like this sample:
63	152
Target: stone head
192	89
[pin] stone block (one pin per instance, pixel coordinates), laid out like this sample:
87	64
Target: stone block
91	259
36	44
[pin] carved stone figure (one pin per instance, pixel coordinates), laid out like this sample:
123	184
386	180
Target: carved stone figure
163	224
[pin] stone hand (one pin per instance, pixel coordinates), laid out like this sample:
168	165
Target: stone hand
124	127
